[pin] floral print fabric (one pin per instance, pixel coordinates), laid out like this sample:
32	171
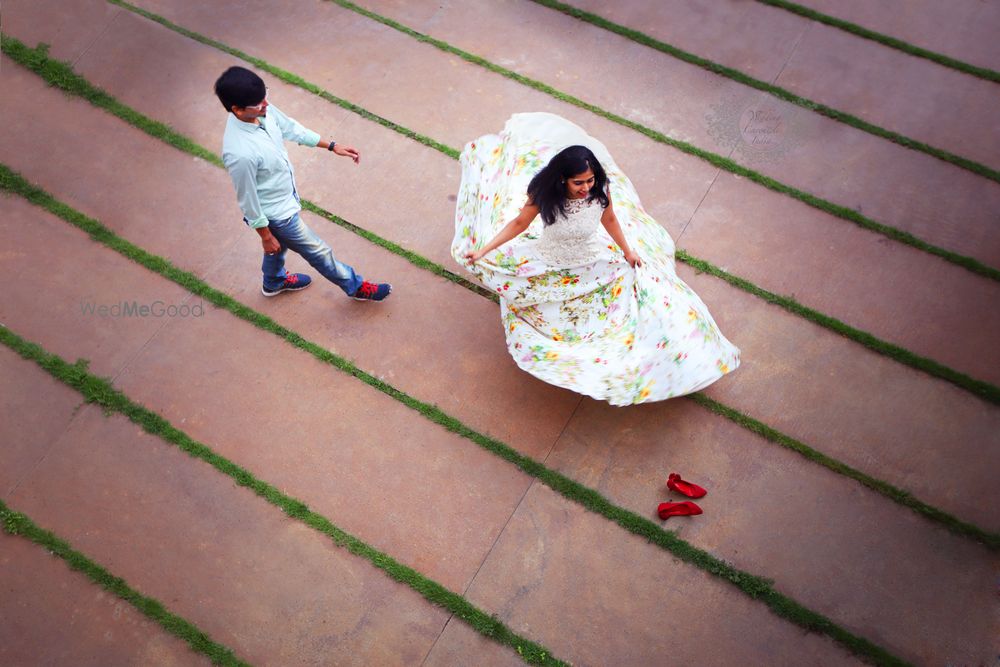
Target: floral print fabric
574	312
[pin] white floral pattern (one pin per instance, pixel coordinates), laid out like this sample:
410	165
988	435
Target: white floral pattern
575	313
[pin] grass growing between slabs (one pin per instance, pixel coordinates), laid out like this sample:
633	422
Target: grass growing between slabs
885	40
62	76
107	396
16	523
893	493
100	391
777	91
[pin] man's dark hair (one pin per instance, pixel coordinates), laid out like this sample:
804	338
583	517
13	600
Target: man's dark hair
240	87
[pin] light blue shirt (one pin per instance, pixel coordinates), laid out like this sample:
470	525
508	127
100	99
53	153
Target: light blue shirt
255	156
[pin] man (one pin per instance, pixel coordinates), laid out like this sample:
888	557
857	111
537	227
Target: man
254	153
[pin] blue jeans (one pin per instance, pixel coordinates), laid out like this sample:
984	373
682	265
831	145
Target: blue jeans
293	234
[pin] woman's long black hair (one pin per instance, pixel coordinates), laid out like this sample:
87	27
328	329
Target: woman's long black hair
548	188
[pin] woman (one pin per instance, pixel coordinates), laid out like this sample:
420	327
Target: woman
582	308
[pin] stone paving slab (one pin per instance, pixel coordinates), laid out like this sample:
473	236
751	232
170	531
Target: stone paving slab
53	304
268	587
824	157
627	602
866	258
741	35
69	28
376	468
879	84
873	566
913	96
898	293
54	616
26	431
962	30
460	646
895	423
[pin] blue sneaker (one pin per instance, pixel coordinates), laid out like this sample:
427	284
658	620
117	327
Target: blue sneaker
372	291
293	282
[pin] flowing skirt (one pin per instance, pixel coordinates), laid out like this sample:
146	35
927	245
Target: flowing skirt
598	326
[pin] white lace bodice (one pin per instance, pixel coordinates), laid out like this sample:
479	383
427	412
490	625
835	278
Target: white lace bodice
572	240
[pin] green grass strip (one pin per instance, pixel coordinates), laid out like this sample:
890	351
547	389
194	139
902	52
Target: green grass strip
952	523
16	523
102	392
984	390
886	40
904	498
61	75
714	159
777	91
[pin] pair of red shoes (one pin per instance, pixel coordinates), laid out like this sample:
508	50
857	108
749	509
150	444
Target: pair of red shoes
684	508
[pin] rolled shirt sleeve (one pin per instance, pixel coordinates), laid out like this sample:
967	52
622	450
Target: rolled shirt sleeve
243	171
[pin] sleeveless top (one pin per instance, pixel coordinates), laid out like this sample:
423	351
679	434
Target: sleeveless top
572	240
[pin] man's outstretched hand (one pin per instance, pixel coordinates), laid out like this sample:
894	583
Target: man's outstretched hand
347	151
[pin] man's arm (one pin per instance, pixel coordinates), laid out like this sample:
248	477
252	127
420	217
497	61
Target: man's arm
271	245
292	130
341	149
243	173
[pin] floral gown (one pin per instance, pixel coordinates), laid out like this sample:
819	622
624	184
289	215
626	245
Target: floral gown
574	312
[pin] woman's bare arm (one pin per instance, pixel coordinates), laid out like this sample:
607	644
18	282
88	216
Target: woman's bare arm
610	222
510	230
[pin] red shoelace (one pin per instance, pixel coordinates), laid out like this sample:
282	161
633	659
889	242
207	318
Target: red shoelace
366	290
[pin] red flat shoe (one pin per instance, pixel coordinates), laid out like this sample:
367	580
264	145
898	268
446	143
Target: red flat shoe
675	483
685	508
